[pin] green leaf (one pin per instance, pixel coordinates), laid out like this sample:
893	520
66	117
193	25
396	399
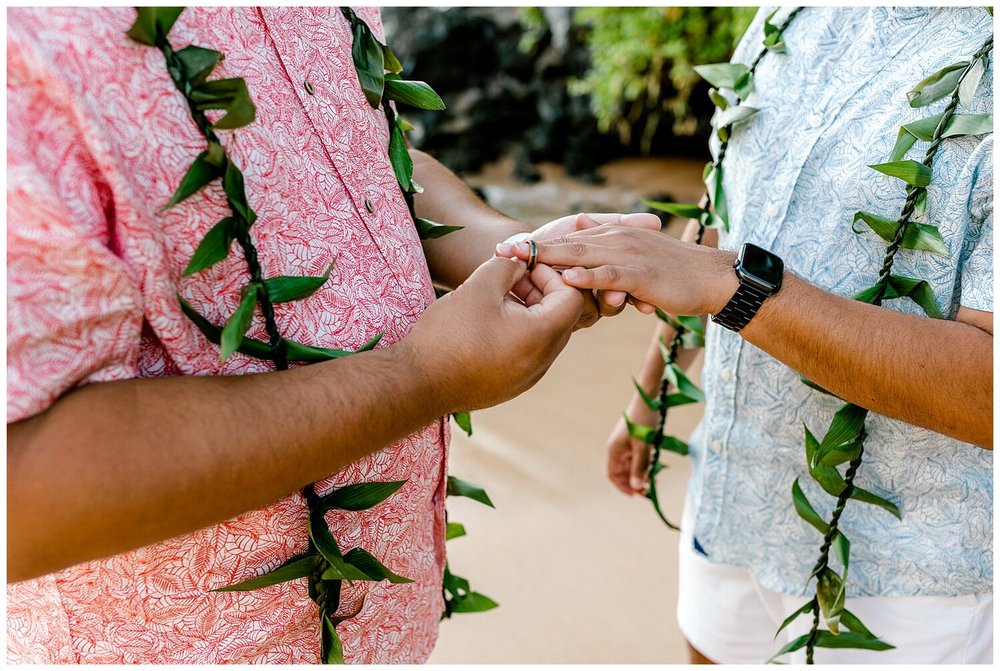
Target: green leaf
372	567
292	288
232	183
911	172
399	157
455	585
717	99
917	236
413	93
295	351
327	546
692	323
805	608
846	427
851	621
721	75
716	196
198	175
682	382
734	115
369	62
654	498
474	602
404	125
651	402
806	510
236	327
939	85
213	247
293	569
831	595
970	82
850	640
360	496
772	35
459	487
663	316
898	286
333	649
152	23
640	431
920	205
198	62
842	549
454	530
682	210
743	86
429	230
392	63
464	421
866	496
230	95
672	444
959	125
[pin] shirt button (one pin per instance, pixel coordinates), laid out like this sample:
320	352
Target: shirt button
772	211
726	375
814	120
369	206
309	88
715	446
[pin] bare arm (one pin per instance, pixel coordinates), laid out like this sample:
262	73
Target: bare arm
933	373
117	465
447	200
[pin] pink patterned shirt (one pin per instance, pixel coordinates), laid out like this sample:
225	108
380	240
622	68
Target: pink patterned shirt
98	139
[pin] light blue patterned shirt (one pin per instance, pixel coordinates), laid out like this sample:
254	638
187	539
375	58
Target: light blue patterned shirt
795	174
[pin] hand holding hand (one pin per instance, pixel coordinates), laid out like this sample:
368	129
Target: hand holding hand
599	303
483	346
678	277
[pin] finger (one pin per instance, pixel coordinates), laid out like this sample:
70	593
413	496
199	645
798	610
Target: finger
610	303
523	287
635	220
640	466
642	306
561	304
577	249
591	311
499	275
607	277
619	460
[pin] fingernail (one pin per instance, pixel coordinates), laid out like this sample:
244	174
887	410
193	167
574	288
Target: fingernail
634	218
522	247
504	249
571	275
635	482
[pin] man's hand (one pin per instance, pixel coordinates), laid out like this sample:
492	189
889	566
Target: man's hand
678	277
599	303
482	346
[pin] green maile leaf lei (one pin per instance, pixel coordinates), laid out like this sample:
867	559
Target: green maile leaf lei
844	440
324	566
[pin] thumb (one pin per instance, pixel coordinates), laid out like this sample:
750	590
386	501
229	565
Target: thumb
498	275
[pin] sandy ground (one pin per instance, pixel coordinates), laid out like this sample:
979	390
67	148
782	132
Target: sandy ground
583	574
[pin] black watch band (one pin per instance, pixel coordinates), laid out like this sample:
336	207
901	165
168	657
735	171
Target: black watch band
741	308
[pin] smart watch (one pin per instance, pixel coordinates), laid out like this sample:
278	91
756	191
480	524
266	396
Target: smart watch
759	272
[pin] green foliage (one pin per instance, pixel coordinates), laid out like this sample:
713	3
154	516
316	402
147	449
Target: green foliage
642	63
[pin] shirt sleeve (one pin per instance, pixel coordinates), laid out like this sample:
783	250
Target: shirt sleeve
74	312
977	253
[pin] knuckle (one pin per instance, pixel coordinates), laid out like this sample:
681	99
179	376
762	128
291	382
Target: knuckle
576	249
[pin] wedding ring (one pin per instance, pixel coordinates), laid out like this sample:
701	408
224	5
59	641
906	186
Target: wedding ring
532	254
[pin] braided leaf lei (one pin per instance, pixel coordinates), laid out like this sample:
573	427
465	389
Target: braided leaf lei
844	440
324	565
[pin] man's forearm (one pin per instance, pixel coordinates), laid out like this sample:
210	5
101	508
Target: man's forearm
447	200
929	372
117	465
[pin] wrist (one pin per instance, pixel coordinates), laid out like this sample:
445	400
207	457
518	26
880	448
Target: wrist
724	281
427	366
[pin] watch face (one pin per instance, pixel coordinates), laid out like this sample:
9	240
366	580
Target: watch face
760	267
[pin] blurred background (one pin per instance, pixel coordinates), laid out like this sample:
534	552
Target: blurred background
553	111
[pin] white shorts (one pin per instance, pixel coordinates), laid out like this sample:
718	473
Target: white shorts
731	618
